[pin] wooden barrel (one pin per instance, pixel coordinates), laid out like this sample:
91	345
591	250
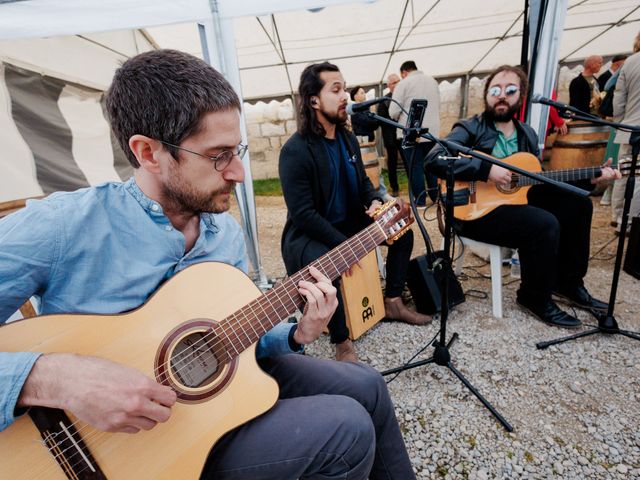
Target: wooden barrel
583	146
371	163
548	146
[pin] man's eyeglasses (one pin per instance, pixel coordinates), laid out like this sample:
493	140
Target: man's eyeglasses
221	160
509	90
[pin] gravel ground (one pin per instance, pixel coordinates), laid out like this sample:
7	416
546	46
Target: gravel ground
575	408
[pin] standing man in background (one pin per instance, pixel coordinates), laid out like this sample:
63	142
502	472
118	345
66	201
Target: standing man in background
626	109
584	88
416	84
389	138
616	62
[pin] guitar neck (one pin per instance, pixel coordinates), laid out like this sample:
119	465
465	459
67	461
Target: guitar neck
569	175
262	314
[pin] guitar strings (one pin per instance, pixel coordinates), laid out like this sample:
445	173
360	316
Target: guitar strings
561	175
320	264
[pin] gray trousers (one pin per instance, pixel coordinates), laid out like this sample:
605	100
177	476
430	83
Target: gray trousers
617	196
333	420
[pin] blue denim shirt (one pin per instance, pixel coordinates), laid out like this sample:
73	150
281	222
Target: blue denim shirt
103	249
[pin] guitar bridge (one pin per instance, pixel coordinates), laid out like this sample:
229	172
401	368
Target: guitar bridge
65	444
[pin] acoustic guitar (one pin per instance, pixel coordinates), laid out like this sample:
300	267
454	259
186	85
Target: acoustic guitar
197	334
486	196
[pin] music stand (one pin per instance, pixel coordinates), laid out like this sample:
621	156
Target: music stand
607	323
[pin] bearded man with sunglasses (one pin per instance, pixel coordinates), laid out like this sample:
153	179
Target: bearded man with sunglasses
106	249
551	232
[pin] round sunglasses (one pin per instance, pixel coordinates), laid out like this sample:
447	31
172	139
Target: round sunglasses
509	90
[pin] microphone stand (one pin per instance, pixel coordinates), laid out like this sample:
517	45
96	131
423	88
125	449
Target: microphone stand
607	323
441	355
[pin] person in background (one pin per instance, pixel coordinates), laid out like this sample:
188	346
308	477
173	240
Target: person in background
584	93
616	62
330	198
416	84
626	109
607	89
364	127
361	123
556	123
389	138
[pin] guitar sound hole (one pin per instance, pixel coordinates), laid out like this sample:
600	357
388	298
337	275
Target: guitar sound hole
511	188
194	361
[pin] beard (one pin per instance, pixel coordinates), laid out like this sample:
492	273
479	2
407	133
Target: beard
339	118
505	115
182	197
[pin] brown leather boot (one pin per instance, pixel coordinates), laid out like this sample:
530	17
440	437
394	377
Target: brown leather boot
396	310
345	352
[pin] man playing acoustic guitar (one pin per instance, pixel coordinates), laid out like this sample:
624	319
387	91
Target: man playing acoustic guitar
552	231
106	250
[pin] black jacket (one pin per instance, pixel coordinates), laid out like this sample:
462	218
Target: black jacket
388	132
479	133
602	79
306	181
580	93
363	125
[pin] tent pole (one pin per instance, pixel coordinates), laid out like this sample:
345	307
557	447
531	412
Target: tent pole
218	47
543	78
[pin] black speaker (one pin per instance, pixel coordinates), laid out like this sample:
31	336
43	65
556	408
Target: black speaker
632	259
425	277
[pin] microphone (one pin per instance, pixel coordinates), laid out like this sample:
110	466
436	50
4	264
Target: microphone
364	106
537	98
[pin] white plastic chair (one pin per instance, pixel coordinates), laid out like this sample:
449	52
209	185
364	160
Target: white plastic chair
495	260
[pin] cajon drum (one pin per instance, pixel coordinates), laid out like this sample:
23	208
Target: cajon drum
362	295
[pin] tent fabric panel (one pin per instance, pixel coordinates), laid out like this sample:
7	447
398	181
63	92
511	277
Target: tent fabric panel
59	57
91	134
607	44
505	52
35	110
48	18
18	179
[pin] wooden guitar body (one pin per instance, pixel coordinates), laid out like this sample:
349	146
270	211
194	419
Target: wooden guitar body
178	448
486	196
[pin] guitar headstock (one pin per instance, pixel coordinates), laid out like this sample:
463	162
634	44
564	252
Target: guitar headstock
394	218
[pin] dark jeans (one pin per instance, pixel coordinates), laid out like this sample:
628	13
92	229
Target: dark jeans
551	234
333	420
397	264
392	149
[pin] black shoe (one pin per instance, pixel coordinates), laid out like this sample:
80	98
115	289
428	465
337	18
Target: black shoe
580	297
551	314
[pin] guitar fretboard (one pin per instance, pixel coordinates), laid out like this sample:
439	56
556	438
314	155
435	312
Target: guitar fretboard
569	175
244	327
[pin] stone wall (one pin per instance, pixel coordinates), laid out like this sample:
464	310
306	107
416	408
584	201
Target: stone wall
269	126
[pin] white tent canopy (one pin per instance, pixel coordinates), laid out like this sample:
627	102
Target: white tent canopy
369	40
274	40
